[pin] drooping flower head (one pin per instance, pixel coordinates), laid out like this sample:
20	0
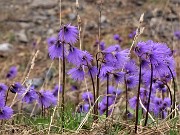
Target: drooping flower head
119	77
92	71
77	73
16	87
87	97
68	34
177	34
56	50
85	108
74	56
28	96
117	38
46	98
51	41
131	35
12	72
5	113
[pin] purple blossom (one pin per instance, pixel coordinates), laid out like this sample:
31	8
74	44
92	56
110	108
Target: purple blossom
56	89
117	38
85	108
161	86
87	96
12	72
131	68
133	102
16	87
93	70
2	99
117	92
51	41
104	71
132	81
3	89
131	35
46	98
69	34
177	34
56	50
166	102
86	58
119	77
5	113
77	73
112	48
121	58
28	96
74	87
74	56
102	45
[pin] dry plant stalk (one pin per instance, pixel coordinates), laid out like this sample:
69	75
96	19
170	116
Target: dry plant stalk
27	76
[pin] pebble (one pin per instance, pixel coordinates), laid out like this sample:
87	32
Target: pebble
6	47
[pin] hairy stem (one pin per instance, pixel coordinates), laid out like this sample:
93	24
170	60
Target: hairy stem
149	98
138	94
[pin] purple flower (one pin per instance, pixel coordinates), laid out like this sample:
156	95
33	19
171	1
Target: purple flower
144	93
28	96
74	87
74	56
131	68
104	71
56	89
56	50
12	72
166	102
93	70
161	86
117	38
132	81
51	41
46	98
85	108
2	99
3	89
87	96
86	58
110	100
131	35
142	48
119	77
177	34
117	92
16	87
102	45
112	48
133	102
69	34
121	58
5	113
77	73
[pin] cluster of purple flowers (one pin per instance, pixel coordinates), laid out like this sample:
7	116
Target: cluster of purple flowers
5	111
